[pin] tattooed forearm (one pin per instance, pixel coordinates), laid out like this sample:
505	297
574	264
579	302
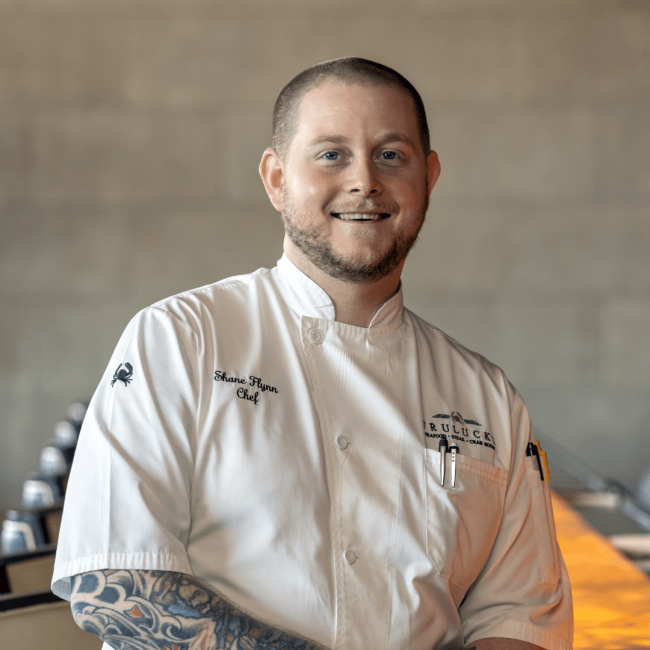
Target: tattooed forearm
161	610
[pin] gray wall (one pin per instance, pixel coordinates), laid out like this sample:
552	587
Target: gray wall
131	130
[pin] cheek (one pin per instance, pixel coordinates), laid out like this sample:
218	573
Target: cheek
311	191
410	195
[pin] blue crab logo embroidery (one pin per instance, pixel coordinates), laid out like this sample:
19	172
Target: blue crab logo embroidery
123	375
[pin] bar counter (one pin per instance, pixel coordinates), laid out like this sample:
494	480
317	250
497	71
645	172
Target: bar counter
611	595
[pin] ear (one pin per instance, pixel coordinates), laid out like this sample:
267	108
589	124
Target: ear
433	169
272	173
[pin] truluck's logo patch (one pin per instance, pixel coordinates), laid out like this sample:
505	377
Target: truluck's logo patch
123	375
453	425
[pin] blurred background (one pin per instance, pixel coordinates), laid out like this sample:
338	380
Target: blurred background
131	132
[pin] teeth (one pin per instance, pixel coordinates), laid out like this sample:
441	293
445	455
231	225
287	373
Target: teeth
358	216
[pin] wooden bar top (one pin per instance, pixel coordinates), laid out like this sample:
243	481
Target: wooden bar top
611	596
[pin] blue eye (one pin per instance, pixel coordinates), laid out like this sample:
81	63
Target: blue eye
331	155
389	155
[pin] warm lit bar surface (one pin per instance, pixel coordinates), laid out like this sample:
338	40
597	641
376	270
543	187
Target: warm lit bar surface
611	596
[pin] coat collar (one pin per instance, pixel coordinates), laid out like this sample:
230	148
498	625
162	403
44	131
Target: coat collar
308	298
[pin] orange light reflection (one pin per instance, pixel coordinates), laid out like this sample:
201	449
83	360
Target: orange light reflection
611	596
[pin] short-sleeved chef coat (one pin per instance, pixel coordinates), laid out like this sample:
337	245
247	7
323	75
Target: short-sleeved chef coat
292	461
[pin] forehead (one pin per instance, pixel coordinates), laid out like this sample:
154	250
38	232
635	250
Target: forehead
355	110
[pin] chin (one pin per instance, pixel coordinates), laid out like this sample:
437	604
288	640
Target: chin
362	259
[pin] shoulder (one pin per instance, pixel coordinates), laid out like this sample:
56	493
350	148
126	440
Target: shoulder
197	308
453	356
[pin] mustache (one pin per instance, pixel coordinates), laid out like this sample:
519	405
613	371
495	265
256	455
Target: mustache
369	205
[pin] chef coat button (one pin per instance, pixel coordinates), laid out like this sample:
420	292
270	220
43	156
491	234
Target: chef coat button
350	556
341	442
316	336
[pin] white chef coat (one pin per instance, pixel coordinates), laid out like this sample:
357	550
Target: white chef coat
292	461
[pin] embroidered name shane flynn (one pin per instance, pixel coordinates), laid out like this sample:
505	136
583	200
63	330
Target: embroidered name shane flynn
244	393
458	428
124	375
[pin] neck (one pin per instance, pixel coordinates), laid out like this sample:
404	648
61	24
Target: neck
354	303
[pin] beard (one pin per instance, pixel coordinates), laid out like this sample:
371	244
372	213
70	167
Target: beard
313	244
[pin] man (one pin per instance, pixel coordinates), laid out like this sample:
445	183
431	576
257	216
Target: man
258	474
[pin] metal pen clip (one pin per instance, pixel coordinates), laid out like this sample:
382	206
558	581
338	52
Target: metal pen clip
454	450
443	460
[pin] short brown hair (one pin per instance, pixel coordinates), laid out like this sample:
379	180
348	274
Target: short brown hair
346	70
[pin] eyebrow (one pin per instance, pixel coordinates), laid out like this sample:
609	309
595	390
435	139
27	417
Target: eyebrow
334	139
341	139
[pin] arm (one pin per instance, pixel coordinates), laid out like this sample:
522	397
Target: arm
523	591
502	644
162	610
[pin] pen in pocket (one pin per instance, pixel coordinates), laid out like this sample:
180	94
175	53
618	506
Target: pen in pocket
531	450
443	460
542	453
454	451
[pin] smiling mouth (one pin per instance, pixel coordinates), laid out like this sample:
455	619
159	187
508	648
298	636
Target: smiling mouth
361	216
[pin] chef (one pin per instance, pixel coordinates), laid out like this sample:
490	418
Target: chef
291	458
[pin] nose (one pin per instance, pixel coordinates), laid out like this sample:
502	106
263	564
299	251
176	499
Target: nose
363	178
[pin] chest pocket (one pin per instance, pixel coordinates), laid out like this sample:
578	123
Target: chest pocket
462	522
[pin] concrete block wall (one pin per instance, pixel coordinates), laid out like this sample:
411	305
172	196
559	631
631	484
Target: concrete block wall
131	131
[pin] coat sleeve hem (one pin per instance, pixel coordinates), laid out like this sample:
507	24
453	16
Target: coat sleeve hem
524	632
135	561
